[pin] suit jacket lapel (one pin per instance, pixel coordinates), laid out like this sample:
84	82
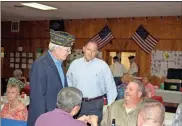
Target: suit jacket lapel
65	83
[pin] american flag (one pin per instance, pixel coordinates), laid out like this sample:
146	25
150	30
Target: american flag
143	38
103	37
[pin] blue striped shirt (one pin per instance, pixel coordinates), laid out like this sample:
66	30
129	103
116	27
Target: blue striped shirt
93	78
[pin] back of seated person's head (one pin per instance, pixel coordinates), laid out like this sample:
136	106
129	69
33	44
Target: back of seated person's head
151	114
126	78
69	99
17	73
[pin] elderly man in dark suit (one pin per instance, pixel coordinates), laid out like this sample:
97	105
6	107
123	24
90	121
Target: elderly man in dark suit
47	77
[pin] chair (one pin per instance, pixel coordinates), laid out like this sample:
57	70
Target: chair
10	122
26	89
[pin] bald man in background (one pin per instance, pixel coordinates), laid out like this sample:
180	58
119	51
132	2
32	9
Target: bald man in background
152	114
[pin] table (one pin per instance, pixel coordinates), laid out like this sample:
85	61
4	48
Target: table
170	96
10	122
168	118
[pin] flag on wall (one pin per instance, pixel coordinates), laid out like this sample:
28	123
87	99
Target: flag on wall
103	37
143	38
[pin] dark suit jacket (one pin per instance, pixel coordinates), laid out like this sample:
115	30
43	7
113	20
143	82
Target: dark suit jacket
45	84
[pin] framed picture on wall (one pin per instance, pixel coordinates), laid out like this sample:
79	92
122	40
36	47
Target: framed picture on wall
12	60
12	54
11	65
30	55
17	60
17	54
17	66
30	60
24	54
23	60
29	66
20	48
24	66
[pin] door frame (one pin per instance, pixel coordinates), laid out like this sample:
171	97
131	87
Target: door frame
107	51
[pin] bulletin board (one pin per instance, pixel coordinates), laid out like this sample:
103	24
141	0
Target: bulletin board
161	61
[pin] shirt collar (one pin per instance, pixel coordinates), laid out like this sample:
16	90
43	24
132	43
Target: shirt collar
89	61
54	59
62	112
137	106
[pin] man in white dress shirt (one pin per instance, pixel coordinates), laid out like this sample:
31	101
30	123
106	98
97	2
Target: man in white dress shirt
118	70
133	70
94	78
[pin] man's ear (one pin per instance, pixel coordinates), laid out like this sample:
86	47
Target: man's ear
76	109
84	49
139	94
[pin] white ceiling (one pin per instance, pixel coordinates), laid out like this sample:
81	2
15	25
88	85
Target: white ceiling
79	10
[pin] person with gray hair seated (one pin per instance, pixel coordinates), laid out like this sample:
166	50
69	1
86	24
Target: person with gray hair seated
18	79
68	104
152	114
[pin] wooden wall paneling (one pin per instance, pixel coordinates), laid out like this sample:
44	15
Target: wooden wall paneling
34	34
115	24
70	26
37	43
26	29
156	27
46	29
173	27
6	26
5	59
27	49
43	28
127	31
98	24
35	30
45	43
91	25
21	34
82	29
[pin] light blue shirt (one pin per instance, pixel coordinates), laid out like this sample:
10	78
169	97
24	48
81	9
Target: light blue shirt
93	78
58	64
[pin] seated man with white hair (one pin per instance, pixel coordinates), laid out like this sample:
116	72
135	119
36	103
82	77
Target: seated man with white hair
68	104
152	114
125	111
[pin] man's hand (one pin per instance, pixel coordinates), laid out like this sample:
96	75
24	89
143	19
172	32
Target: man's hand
93	120
84	118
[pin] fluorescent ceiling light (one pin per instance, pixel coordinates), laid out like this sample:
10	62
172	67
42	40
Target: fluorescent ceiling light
38	6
